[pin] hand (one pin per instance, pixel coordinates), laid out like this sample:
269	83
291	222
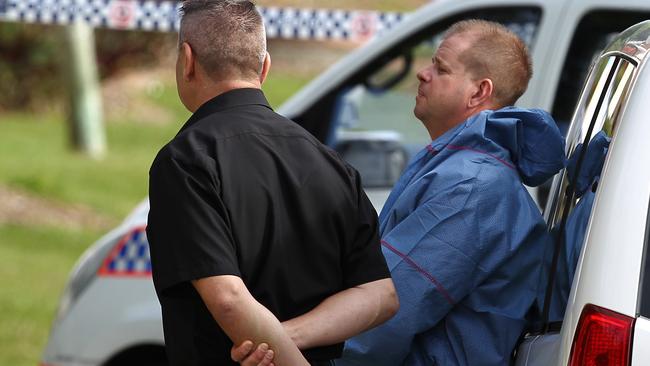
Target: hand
246	356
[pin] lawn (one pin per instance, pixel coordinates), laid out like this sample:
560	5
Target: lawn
35	159
35	155
34	263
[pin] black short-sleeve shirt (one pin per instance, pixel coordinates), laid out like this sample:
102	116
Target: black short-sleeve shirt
244	191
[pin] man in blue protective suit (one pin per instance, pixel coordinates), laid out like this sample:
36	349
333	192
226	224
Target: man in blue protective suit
463	239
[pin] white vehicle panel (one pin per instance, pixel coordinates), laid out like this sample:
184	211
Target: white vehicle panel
641	355
138	217
102	326
610	263
541	350
377	197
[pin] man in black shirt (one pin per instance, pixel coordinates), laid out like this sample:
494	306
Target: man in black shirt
253	222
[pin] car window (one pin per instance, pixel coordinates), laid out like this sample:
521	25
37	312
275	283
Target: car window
574	189
376	130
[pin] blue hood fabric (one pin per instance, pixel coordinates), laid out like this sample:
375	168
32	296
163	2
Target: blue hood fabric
591	164
464	242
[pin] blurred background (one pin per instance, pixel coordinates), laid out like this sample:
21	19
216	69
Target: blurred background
54	200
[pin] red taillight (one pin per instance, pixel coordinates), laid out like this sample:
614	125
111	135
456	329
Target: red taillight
603	338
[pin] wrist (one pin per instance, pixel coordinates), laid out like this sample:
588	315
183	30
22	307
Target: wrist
293	331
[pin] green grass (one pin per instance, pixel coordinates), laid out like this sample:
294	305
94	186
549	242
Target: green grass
280	86
35	157
35	262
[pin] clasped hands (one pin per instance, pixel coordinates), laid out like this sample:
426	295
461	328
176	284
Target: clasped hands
247	355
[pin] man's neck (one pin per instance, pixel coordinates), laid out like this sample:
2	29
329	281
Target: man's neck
211	90
439	128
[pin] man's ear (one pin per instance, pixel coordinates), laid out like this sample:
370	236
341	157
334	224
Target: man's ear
188	59
266	66
482	93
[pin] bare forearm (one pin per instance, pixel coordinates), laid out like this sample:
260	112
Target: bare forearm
242	318
344	315
253	321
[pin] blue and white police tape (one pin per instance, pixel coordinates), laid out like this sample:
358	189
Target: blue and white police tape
162	16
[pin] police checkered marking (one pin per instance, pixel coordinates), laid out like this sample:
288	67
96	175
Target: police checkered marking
130	257
148	15
321	24
163	16
61	12
160	16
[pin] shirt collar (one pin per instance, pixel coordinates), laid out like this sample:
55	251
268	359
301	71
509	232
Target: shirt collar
227	100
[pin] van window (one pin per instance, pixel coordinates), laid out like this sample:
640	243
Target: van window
376	130
574	189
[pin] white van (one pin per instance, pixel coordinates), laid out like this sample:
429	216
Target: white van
598	213
362	106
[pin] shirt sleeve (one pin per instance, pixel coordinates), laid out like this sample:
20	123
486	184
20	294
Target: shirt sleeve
188	227
436	256
364	261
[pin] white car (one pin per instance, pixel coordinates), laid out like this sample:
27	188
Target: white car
109	313
598	211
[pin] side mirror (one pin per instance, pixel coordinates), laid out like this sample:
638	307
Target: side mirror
390	74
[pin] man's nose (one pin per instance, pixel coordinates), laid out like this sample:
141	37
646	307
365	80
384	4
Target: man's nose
423	75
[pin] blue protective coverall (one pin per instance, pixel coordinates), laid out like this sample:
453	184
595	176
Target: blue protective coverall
464	242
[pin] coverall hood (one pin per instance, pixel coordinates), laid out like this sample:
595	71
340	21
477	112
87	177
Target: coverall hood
591	163
532	138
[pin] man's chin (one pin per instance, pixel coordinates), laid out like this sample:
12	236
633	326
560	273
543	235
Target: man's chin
417	115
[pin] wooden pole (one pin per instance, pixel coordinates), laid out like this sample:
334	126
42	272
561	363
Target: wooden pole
85	110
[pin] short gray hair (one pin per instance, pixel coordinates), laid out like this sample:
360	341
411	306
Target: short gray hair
498	54
227	37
